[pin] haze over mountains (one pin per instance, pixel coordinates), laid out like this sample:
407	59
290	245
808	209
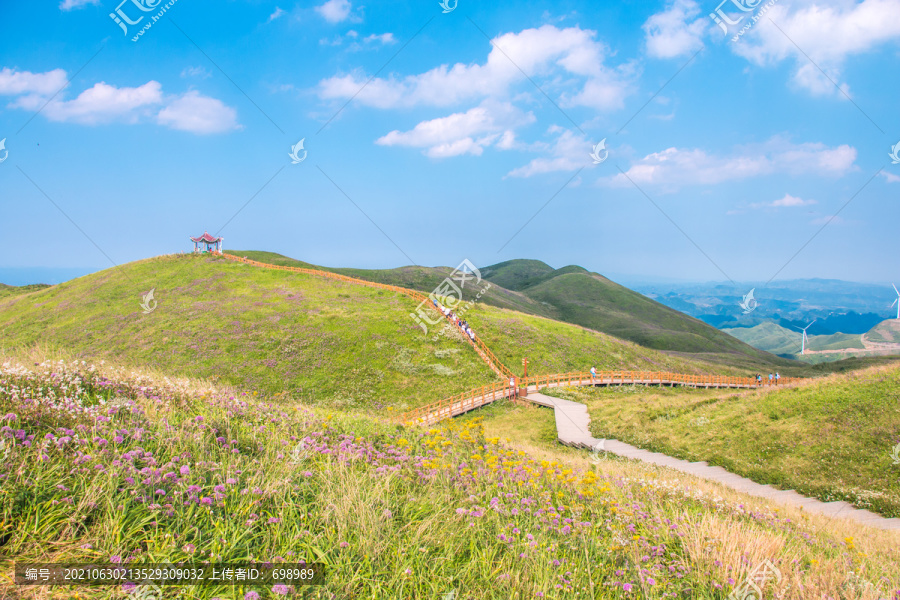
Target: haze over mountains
837	306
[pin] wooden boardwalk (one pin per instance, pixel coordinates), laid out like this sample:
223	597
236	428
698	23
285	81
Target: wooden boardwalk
478	397
573	420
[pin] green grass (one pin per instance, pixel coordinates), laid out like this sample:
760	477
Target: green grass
315	339
776	339
12	290
573	295
556	347
886	332
322	341
831	439
146	471
423	279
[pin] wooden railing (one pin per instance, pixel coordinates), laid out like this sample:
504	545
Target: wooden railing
650	378
483	351
457	404
466	401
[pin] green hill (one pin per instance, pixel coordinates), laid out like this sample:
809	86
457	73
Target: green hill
12	290
574	295
776	339
886	332
317	339
523	273
831	439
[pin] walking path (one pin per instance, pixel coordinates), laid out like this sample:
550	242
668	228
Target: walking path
572	421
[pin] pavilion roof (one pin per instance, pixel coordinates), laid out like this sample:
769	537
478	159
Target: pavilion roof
206	238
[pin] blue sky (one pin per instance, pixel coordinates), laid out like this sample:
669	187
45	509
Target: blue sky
433	136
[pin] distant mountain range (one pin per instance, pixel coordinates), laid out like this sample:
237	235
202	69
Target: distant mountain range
836	306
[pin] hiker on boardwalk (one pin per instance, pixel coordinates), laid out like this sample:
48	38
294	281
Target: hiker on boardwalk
593	374
759	379
777	377
770	379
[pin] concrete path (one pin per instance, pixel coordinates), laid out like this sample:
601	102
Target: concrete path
572	421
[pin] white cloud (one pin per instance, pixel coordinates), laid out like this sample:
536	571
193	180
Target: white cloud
196	72
462	133
890	177
13	83
568	153
105	103
787	201
335	11
101	103
276	14
370	42
676	31
73	4
385	39
546	52
828	31
507	140
198	114
673	168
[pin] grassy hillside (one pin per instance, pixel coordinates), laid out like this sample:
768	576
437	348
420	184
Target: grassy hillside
831	439
596	302
424	279
574	295
770	337
111	465
523	273
12	290
326	342
556	347
886	332
776	339
320	340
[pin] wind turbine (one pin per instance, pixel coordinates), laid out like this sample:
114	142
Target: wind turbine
896	301
805	340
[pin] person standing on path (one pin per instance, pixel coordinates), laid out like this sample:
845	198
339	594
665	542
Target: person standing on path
777	377
770	379
593	374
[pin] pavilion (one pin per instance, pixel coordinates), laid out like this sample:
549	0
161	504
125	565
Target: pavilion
209	243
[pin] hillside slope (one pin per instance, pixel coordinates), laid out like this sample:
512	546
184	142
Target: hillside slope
154	471
317	339
574	295
886	332
831	439
776	339
13	290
